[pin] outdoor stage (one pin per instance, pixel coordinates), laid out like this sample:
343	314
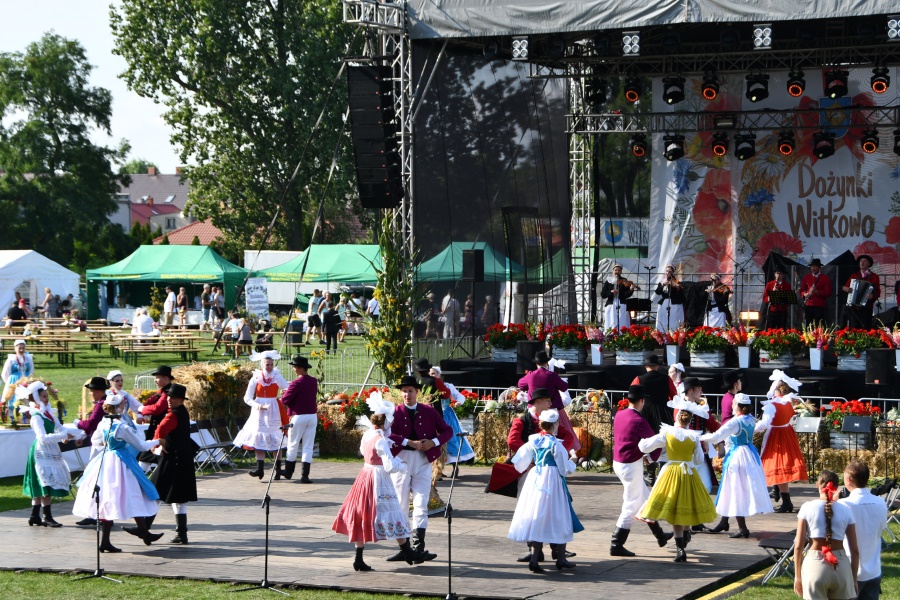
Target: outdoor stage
226	530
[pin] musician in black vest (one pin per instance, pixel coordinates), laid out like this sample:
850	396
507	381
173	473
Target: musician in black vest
658	389
860	316
174	478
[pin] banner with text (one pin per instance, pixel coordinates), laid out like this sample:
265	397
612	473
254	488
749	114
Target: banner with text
257	296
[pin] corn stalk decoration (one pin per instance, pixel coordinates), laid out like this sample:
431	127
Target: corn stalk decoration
389	338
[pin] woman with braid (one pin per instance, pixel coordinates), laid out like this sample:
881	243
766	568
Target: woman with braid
826	573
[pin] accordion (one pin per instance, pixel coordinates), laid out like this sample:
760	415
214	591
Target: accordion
859	289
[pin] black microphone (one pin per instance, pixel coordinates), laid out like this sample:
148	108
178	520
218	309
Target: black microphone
286	427
464	434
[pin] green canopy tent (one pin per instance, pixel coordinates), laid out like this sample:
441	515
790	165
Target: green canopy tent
149	265
339	263
447	265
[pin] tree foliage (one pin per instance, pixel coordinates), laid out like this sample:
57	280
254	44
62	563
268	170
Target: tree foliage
139	166
244	83
56	186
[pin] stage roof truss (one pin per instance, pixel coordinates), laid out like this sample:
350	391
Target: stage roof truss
761	120
386	16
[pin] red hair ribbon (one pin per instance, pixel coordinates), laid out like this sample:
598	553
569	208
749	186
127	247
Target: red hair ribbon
827	554
829	490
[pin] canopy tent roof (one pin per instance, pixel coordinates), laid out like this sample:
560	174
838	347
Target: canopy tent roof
21	266
447	265
429	19
193	264
344	263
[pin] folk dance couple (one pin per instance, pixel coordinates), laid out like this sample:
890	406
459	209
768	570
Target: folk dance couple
402	442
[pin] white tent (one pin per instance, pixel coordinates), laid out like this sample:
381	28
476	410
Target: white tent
36	272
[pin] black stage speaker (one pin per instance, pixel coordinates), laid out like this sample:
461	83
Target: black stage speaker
878	366
374	133
473	266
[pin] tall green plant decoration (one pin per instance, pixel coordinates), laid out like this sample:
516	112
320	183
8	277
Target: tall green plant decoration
389	338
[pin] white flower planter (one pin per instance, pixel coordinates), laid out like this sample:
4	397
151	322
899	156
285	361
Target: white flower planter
596	354
743	357
782	362
849	441
571	355
851	363
815	359
715	360
625	357
898	359
502	355
671	354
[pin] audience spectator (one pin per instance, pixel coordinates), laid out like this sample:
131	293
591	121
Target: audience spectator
870	513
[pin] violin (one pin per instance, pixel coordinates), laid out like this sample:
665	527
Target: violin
628	284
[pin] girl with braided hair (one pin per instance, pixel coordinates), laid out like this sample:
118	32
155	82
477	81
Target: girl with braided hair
826	573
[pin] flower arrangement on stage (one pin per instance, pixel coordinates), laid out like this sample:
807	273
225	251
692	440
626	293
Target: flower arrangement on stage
636	338
505	337
568	336
855	342
818	336
739	335
707	339
677	337
777	342
893	335
595	335
834	416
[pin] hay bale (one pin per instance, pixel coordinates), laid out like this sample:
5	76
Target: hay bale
215	390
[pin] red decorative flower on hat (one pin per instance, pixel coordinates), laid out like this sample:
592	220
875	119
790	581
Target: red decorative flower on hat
779	242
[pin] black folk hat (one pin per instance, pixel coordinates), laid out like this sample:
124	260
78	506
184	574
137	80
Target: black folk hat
300	361
651	360
163	370
408	381
691	383
635	393
422	365
866	256
537	394
176	391
97	383
815	262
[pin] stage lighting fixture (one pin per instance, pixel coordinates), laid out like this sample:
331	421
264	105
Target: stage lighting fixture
730	39
869	141
601	44
796	83
631	43
897	142
823	144
745	146
880	79
762	36
893	28
639	145
786	142
633	89
757	87
491	49
724	121
673	146
720	143
556	48
520	48
710	87
836	83
595	93
673	89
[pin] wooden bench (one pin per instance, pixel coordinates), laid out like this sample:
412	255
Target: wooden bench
130	353
63	356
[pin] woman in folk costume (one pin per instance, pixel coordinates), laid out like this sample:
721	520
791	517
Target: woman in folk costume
125	492
46	473
676	374
372	511
129	402
679	496
544	509
743	491
456	444
781	457
17	367
262	431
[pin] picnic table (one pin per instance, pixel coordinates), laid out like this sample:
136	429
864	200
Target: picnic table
57	345
129	347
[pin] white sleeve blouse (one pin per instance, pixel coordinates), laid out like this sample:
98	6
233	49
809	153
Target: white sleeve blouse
813	513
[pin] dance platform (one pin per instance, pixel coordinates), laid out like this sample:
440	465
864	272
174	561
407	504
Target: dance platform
226	531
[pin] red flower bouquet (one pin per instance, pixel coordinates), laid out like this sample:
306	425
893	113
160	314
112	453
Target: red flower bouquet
636	338
834	417
855	342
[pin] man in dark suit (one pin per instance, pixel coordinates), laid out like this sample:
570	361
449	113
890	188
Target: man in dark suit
175	478
418	432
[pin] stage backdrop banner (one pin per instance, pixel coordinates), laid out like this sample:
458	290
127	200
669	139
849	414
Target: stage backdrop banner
257	297
710	213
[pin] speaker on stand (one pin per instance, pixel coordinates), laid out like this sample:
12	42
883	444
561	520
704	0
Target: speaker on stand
878	367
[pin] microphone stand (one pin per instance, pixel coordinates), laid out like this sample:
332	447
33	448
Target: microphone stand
649	295
265	584
742	269
99	573
448	514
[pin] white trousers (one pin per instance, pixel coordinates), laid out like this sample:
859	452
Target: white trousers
417	480
303	430
635	493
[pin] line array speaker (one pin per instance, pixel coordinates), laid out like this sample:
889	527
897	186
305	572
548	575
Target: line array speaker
374	133
878	366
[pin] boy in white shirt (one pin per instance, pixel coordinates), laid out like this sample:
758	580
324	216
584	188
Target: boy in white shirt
870	513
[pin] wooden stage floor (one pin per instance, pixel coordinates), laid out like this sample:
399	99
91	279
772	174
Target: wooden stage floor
226	530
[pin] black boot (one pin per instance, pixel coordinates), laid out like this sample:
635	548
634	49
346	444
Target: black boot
412	557
260	465
722	525
418	544
105	546
48	521
562	562
775	494
617	547
358	564
304	473
149	521
662	538
181	530
701	528
289	466
87	522
786	504
527	557
680	554
537	550
142	531
278	470
35	518
650	475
